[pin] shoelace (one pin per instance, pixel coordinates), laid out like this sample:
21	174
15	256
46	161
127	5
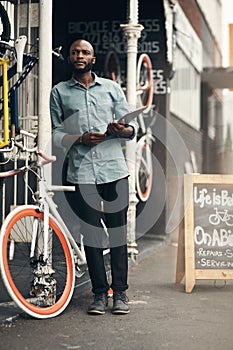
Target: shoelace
99	297
121	296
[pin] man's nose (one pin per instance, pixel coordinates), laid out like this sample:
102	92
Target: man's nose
79	54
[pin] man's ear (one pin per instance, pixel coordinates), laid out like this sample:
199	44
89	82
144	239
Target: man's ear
93	60
68	59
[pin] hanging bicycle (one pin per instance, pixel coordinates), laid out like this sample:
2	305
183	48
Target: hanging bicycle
145	138
144	147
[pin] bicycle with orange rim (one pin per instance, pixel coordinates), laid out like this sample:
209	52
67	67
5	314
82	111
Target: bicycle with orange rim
36	259
144	155
145	139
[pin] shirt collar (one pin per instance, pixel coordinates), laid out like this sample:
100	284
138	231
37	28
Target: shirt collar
97	80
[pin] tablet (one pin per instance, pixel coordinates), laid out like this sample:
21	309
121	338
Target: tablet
131	115
128	117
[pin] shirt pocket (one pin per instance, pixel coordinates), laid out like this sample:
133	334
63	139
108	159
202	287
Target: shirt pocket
76	123
101	113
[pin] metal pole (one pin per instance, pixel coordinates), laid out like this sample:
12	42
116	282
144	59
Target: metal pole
132	32
45	79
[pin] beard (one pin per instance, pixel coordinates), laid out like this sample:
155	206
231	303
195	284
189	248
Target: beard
83	70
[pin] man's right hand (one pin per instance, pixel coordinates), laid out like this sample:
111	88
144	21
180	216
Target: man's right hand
88	139
92	138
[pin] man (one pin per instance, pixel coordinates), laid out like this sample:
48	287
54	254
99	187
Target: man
84	112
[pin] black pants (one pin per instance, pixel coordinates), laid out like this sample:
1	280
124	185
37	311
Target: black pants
108	202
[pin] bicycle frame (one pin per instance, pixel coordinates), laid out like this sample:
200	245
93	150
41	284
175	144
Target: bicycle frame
47	205
50	206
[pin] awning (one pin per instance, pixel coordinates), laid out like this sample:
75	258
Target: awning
218	78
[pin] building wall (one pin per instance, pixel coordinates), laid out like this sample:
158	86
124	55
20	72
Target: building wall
202	16
206	18
193	14
185	85
196	109
212	12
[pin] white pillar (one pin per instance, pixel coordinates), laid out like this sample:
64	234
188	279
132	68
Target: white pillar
132	32
45	79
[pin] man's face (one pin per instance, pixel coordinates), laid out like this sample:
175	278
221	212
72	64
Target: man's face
81	56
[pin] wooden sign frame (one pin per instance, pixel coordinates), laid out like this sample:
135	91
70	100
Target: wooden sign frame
186	245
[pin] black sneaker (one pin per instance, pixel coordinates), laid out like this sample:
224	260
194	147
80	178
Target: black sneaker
120	303
99	304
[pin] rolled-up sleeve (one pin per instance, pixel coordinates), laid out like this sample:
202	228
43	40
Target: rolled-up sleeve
57	118
134	124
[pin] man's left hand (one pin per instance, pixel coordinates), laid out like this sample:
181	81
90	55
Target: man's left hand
120	129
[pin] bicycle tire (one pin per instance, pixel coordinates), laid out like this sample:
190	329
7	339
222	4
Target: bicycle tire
17	268
144	169
145	80
6	32
112	67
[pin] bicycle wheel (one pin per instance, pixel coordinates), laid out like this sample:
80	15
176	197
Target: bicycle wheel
145	80
144	168
214	219
41	289
112	67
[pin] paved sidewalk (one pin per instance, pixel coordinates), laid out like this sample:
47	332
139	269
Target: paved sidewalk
9	312
162	315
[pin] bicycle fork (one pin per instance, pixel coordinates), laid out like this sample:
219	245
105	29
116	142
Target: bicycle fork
43	284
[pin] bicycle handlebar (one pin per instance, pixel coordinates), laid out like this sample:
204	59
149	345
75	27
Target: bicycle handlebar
12	172
27	133
46	159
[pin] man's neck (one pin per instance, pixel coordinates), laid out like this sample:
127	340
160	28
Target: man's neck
85	79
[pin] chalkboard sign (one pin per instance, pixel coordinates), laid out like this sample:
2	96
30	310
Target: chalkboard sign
208	228
213	226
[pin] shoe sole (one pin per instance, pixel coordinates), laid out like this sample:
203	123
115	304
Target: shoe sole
95	312
120	312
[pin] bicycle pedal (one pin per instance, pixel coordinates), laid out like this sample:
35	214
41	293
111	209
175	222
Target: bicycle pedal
79	272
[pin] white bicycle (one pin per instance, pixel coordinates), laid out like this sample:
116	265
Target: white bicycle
39	257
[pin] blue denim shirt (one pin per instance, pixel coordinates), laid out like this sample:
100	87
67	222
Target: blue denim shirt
76	110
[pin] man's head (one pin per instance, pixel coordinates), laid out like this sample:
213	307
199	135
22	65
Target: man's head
81	56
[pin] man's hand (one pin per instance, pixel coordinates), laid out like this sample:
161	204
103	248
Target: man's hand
120	129
92	138
88	139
